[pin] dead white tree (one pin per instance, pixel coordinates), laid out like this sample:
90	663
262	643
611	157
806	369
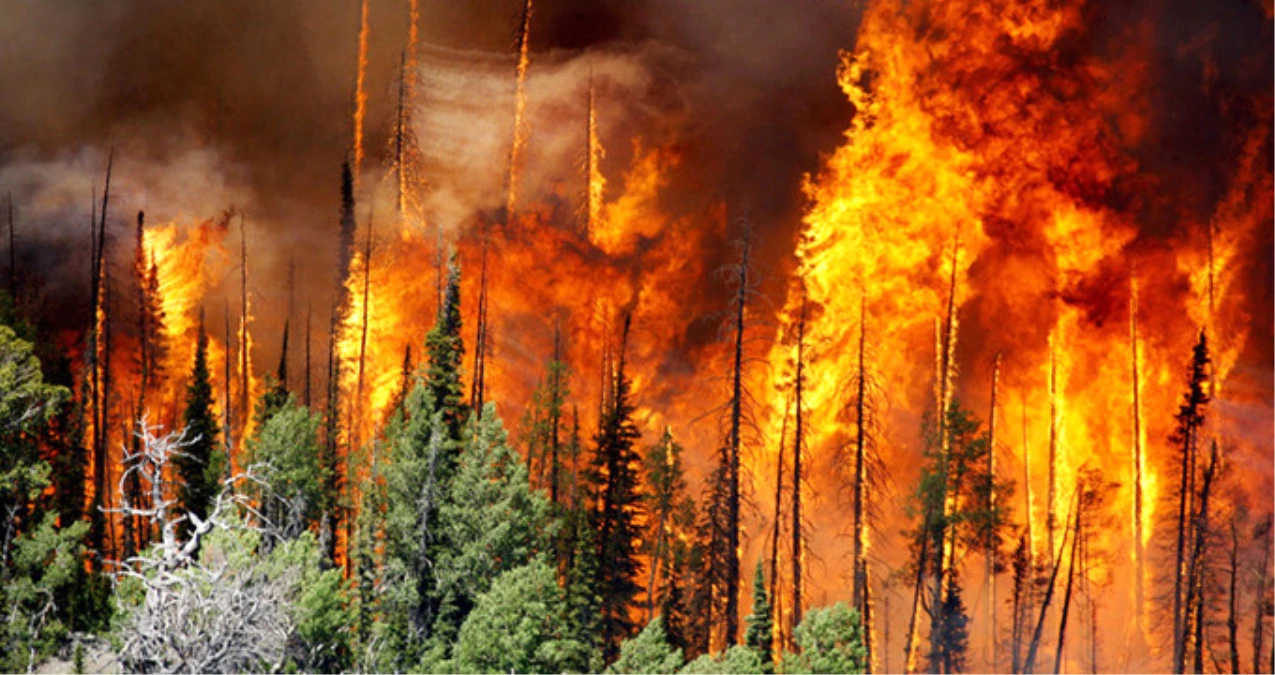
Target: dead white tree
208	603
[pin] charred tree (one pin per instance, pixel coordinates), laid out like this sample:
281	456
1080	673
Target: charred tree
618	510
867	466
1071	578
1139	552
734	434
245	375
1232	596
1195	619
1261	601
797	449
481	343
94	366
776	521
1190	420
356	424
1051	498
990	577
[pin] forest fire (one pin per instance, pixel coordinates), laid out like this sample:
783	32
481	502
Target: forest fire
977	342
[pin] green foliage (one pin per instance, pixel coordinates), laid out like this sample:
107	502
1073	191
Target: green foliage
446	352
492	518
200	465
738	659
321	613
830	640
40	565
620	503
542	429
760	636
414	487
450	535
583	600
516	626
648	652
286	451
26	401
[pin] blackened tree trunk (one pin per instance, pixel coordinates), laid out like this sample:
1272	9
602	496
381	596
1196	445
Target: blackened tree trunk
798	439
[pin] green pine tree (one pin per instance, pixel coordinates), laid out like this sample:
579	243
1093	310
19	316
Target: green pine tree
200	466
446	351
515	627
285	451
415	489
276	396
648	652
829	640
620	503
583	611
491	519
760	635
737	659
40	563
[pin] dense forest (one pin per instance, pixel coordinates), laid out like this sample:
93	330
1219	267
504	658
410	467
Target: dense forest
895	337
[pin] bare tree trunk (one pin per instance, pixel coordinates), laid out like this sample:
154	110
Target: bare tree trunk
910	645
1259	603
945	544
1139	554
1071	577
734	443
96	349
1029	514
592	176
860	593
774	535
1029	664
520	103
796	469
1232	623
480	339
991	505
1185	529
555	421
400	129
356	425
1195	598
245	380
227	417
1051	507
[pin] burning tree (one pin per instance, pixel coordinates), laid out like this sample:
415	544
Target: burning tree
959	478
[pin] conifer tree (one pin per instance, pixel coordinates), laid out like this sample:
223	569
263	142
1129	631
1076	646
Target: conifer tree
446	351
662	465
1190	419
276	395
414	492
618	509
760	636
491	521
286	447
647	652
580	585
199	467
955	474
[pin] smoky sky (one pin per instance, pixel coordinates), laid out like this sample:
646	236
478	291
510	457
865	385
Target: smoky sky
746	89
